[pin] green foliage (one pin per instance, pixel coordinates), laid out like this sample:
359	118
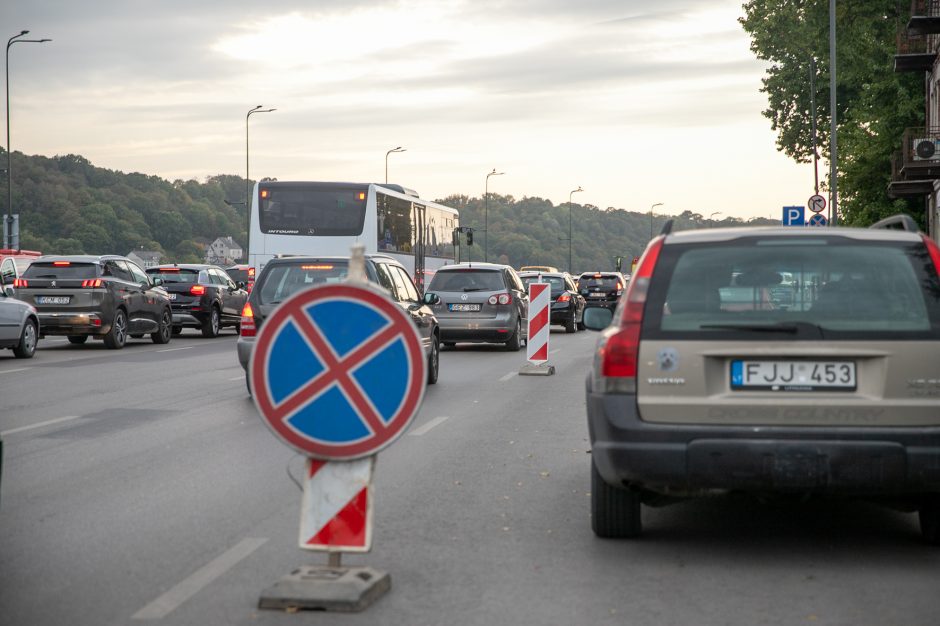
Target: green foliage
874	103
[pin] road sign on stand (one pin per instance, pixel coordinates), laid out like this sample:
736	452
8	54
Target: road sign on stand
793	216
816	203
540	300
817	220
338	371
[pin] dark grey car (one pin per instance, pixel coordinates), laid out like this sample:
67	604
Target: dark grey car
19	326
106	297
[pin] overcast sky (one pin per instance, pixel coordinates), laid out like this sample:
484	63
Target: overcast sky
638	102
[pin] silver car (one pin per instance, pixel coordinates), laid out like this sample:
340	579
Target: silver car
481	302
19	326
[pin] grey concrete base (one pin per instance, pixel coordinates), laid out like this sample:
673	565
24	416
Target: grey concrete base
324	588
537	370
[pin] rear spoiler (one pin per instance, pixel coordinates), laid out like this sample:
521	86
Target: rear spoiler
900	221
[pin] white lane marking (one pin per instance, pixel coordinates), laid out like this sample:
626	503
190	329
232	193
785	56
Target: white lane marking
554	351
175	349
507	377
437	421
187	588
21	369
238	378
22	429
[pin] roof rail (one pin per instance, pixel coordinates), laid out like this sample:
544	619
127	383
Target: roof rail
900	221
667	227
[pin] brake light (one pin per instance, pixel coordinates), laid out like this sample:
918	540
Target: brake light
502	298
247	322
251	272
934	250
619	289
565	297
618	356
20	282
197	290
91	283
61	263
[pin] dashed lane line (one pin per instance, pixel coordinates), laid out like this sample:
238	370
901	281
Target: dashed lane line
507	377
190	586
437	421
19	369
175	349
23	429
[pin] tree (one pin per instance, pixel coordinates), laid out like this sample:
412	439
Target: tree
874	103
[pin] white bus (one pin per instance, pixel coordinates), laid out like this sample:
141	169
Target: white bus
326	218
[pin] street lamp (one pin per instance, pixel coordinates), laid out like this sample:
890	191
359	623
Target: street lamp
257	109
486	210
398	149
8	230
651	218
573	191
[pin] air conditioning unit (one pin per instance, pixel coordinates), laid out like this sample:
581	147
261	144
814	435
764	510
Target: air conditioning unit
926	149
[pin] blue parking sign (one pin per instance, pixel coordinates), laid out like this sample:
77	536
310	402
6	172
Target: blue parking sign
794	216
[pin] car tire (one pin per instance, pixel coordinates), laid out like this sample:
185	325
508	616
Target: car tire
117	336
26	348
615	512
78	339
570	326
929	514
434	360
515	342
164	328
211	325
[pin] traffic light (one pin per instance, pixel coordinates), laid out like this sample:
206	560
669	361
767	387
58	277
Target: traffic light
469	236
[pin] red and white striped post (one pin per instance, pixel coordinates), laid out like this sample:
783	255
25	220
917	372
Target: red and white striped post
540	299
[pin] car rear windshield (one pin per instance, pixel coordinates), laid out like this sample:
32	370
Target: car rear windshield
238	275
177	275
467	280
557	282
48	269
834	286
604	282
283	280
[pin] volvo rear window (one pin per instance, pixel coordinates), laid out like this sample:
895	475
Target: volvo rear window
831	286
61	270
467	280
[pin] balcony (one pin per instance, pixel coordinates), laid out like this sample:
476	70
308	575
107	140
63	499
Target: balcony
925	17
901	187
916	53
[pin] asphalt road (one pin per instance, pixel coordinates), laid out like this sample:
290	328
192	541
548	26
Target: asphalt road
140	486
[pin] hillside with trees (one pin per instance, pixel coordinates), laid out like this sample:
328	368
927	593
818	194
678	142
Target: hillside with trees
69	206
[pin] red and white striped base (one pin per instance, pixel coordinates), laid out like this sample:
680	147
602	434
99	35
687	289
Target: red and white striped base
336	513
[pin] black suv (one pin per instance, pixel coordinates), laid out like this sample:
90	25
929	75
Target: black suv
282	277
602	288
567	308
106	297
203	297
780	360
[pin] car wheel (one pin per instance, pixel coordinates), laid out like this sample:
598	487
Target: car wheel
615	512
78	339
117	336
164	328
210	327
930	519
570	324
434	360
515	342
26	348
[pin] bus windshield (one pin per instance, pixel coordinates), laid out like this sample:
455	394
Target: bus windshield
306	210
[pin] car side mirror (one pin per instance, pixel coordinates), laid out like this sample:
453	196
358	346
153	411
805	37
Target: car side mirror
240	284
157	281
8	291
597	318
431	299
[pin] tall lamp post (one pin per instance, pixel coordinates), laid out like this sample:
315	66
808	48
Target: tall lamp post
486	210
651	218
398	149
8	229
257	109
573	191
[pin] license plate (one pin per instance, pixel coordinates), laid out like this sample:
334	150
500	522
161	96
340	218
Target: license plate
172	296
464	307
53	299
793	375
598	295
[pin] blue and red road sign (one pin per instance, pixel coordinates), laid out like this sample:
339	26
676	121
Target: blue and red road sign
338	372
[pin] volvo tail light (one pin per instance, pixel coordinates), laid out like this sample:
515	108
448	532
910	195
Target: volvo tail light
934	250
247	322
502	298
91	283
197	290
618	356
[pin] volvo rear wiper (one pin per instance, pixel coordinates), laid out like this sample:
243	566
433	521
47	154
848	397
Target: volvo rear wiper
779	327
